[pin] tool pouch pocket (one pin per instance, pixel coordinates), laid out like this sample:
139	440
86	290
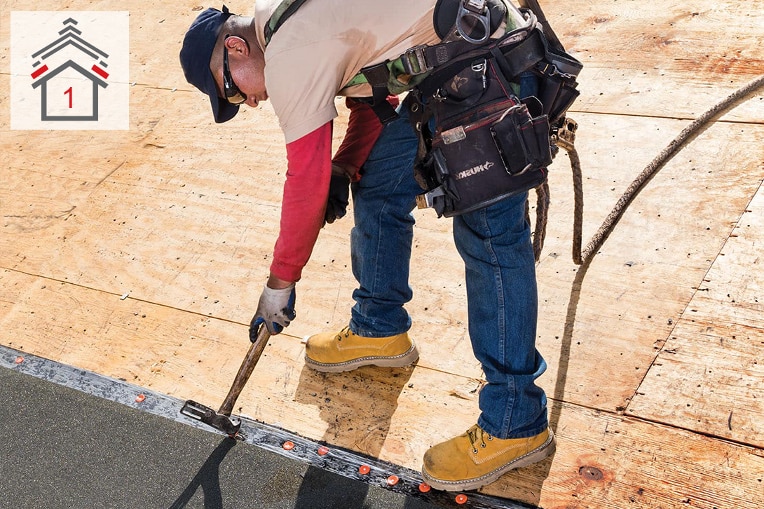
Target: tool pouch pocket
522	138
557	85
495	146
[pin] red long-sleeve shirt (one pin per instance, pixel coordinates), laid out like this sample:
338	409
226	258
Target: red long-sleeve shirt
309	169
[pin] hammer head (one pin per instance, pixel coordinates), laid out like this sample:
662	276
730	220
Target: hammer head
226	424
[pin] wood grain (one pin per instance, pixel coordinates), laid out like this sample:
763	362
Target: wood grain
140	255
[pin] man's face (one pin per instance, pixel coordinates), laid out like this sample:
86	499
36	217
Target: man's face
231	92
241	78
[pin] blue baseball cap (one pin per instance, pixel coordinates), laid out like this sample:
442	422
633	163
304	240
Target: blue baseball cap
195	56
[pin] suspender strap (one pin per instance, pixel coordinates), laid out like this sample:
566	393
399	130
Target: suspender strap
534	6
513	59
424	58
418	60
377	76
285	9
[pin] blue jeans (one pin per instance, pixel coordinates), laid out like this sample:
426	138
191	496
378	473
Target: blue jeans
494	243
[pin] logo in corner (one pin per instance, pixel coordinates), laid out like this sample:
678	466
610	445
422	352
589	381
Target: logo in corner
78	79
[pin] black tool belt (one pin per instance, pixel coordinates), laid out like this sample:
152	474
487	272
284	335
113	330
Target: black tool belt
479	142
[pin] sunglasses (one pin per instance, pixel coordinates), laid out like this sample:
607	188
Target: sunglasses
232	93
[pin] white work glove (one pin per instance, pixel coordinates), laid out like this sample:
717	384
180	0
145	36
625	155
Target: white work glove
275	308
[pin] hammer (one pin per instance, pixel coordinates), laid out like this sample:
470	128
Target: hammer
222	420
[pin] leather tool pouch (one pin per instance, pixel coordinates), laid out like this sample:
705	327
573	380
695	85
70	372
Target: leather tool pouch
480	142
487	145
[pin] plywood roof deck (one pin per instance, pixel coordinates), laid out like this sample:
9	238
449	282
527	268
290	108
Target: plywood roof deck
655	351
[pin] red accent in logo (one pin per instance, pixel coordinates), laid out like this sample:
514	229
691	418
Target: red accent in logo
100	72
39	71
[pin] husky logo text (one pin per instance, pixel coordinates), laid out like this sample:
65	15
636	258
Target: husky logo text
474	170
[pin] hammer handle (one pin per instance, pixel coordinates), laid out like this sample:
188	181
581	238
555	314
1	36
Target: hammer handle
245	370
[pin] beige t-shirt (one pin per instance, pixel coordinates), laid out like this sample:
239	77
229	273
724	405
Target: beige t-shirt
325	43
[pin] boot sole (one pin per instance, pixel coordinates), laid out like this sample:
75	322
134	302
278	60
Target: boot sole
541	452
398	361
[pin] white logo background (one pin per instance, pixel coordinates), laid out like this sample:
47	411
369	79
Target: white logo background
73	88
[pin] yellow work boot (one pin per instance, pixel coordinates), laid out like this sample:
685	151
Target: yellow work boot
476	458
344	351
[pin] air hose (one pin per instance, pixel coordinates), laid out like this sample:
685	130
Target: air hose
566	138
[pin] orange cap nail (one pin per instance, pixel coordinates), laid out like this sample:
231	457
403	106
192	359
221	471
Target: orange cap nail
323	450
424	487
288	445
19	359
364	469
461	498
139	398
392	480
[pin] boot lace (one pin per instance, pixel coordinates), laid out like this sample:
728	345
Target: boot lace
345	332
476	436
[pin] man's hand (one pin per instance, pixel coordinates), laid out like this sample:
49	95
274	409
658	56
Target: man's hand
276	308
339	193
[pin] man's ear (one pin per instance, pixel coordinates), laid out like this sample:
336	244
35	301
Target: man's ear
237	46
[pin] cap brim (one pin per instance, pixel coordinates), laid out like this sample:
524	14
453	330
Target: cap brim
195	55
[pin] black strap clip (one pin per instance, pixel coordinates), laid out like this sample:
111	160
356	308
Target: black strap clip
377	76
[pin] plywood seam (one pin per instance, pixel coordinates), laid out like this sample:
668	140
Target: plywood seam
633	417
694	293
136	299
719	438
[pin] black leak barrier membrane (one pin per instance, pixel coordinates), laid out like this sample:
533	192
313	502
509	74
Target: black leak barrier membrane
374	481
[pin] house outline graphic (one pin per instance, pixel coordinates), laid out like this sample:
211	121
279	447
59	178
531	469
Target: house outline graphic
43	83
70	36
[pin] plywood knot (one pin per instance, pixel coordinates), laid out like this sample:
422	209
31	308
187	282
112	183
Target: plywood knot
591	473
